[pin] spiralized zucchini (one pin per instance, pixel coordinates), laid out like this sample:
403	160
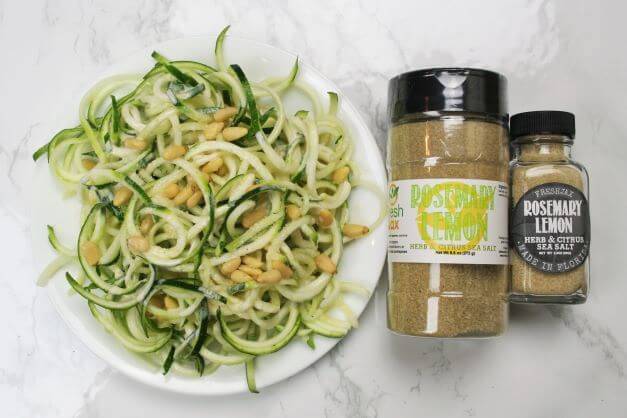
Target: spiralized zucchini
213	222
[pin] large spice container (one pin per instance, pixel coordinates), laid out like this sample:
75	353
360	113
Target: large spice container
550	221
448	161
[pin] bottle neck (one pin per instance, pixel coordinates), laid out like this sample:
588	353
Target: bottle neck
543	148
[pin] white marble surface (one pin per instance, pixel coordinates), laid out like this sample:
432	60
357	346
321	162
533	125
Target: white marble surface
553	362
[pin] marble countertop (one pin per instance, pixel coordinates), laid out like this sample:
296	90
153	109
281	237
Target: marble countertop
553	361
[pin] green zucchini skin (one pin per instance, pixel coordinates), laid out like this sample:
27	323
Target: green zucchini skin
250	376
248	348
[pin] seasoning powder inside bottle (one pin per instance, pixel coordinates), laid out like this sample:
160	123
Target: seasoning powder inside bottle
550	224
448	168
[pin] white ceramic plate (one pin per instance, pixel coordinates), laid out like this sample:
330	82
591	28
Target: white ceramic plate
361	262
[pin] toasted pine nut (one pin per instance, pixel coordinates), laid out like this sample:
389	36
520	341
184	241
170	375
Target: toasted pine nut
238	276
325	264
212	166
253	262
223	171
136	144
354	230
172	152
251	271
157	301
170	303
341	174
138	244
283	268
194	199
293	212
171	190
212	131
146	225
230	266
90	252
88	164
234	132
183	195
253	216
271	276
223	114
325	218
121	196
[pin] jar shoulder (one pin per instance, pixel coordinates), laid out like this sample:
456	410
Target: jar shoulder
528	174
567	166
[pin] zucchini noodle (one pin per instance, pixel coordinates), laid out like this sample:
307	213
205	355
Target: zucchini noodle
213	222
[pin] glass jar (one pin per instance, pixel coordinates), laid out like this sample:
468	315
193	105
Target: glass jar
550	223
448	154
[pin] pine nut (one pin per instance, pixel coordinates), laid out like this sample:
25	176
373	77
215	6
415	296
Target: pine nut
283	268
354	230
157	301
234	133
252	217
341	174
122	195
325	264
223	171
293	212
146	225
324	218
138	244
171	190
212	131
230	266
170	303
194	200
136	144
223	114
253	262
90	252
172	152
271	276
213	166
88	164
238	276
183	195
251	271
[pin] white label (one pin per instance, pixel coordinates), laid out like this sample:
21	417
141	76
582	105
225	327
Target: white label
455	221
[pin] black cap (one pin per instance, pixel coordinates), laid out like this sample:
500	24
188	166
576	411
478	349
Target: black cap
448	89
543	122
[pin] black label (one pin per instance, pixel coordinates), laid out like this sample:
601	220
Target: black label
550	228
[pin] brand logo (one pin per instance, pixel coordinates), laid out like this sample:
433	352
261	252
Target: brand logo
452	216
393	194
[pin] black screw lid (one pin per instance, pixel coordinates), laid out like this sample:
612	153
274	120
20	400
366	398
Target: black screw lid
448	89
542	122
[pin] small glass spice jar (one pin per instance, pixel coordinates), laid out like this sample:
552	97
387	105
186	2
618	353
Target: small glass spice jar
448	155
550	221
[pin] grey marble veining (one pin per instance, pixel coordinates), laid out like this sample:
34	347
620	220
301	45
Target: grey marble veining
553	362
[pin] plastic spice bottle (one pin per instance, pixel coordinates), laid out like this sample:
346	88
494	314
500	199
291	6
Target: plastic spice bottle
448	155
550	221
